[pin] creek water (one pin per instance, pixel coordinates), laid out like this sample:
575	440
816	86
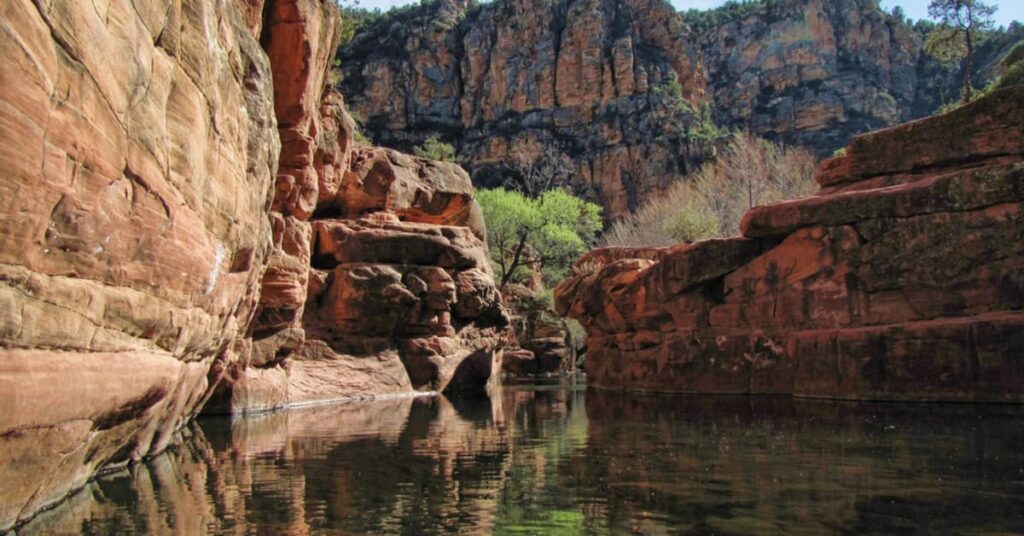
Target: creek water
554	458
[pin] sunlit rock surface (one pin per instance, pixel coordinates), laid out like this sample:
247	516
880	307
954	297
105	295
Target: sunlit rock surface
516	79
902	279
378	282
139	146
815	73
151	244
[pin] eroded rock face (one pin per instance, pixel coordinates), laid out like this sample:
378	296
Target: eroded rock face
509	80
377	281
137	158
817	72
902	279
150	244
543	343
499	83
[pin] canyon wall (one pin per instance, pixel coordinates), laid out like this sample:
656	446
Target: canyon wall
182	201
139	147
593	81
814	73
509	81
903	279
377	281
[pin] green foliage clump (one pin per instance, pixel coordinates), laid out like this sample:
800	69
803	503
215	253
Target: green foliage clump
705	129
354	19
702	20
545	233
695	221
435	149
669	89
1009	72
1011	68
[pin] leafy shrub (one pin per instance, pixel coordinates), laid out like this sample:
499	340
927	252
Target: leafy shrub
435	149
1011	67
694	221
669	88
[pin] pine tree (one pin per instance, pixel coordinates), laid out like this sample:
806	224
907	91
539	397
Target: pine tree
960	23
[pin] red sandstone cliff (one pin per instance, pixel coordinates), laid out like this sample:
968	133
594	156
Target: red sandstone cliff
151	244
585	80
902	279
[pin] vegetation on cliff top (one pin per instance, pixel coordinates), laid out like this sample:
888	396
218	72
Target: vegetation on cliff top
435	149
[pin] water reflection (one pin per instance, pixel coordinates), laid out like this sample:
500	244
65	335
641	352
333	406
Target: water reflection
553	459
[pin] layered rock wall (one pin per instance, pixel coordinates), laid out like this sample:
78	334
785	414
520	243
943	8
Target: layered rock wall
377	281
903	279
588	81
138	151
150	244
507	81
815	73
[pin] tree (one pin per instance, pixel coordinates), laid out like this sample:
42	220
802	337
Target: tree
435	149
960	22
748	172
544	233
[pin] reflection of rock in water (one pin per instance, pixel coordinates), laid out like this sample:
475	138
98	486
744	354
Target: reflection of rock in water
539	461
378	465
740	465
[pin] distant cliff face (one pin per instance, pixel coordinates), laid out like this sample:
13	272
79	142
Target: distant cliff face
817	72
814	72
591	80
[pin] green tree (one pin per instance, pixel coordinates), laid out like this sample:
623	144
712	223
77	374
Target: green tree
1011	67
960	23
544	233
435	149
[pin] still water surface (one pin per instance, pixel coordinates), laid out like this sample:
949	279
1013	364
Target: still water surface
554	459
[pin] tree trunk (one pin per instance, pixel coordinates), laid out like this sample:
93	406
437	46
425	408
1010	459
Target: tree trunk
515	263
968	67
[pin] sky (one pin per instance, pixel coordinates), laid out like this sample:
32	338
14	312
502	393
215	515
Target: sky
1009	10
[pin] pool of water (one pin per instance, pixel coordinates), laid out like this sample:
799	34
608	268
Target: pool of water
557	459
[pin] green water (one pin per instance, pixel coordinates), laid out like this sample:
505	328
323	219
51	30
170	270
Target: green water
555	459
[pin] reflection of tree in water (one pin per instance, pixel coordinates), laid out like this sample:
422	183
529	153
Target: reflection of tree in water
553	461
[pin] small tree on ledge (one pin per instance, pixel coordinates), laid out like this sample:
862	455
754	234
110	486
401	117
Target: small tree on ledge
960	23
